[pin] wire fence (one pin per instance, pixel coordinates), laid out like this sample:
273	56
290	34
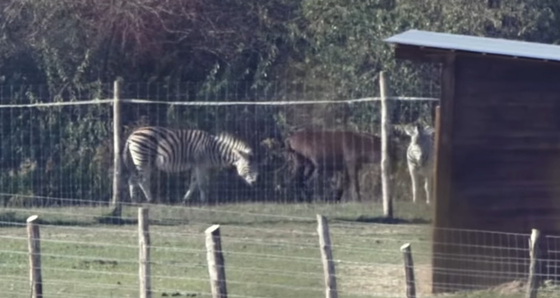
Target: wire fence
57	148
274	256
57	161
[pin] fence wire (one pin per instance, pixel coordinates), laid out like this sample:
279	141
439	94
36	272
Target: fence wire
271	256
56	160
57	144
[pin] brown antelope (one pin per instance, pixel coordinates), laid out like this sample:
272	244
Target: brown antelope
320	151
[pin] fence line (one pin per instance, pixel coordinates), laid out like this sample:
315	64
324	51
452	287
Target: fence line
214	103
309	260
333	222
278	103
456	242
368	256
140	97
230	240
350	269
121	97
57	104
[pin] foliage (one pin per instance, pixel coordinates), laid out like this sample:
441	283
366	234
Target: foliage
66	50
346	45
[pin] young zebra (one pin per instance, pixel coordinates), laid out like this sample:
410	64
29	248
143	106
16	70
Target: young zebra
176	150
419	156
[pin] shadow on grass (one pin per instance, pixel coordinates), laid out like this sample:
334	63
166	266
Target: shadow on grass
110	219
13	219
385	220
230	222
113	220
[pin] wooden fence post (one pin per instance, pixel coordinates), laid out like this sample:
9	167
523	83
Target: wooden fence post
385	147
34	240
326	256
144	253
116	200
410	287
216	264
534	252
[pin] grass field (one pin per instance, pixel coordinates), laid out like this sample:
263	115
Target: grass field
271	250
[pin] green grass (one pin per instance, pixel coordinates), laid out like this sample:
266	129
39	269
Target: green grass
271	250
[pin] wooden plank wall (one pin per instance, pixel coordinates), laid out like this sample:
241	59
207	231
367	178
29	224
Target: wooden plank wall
505	170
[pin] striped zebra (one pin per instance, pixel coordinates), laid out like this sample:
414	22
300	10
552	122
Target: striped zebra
176	150
419	157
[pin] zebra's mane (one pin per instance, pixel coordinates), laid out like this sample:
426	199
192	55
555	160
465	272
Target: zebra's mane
234	142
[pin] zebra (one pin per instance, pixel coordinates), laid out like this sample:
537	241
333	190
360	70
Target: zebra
178	150
419	157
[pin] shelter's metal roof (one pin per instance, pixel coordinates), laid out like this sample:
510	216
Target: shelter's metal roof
476	44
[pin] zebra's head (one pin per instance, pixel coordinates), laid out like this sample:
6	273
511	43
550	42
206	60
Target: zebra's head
242	154
418	133
246	166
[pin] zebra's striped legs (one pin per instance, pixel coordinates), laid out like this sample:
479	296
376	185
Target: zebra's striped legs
428	188
192	186
142	179
203	182
199	179
144	183
415	179
132	183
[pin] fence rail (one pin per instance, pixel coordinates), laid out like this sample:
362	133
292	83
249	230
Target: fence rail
58	161
261	261
68	147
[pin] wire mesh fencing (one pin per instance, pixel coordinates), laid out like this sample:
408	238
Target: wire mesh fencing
58	147
265	255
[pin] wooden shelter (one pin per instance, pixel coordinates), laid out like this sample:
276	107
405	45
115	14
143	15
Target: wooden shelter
497	154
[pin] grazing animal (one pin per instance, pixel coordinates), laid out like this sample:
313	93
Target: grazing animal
178	150
321	151
419	157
